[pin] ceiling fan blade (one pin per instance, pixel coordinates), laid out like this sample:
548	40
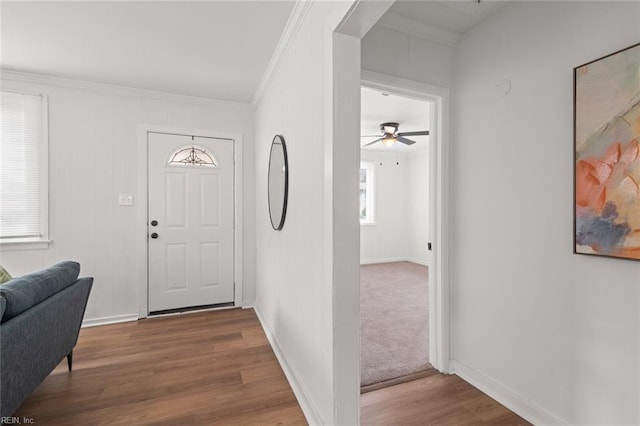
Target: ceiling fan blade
405	140
370	136
371	143
419	133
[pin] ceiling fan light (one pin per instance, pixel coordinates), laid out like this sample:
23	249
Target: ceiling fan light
388	141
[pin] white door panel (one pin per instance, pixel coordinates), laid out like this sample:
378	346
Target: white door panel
191	260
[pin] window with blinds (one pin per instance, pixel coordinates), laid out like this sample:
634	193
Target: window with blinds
23	194
366	193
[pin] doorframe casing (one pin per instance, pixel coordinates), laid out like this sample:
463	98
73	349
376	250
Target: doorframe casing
439	321
141	227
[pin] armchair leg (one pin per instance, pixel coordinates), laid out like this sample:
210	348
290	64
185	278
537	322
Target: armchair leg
70	360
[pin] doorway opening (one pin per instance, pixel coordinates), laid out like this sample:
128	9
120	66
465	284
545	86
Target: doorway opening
395	242
438	264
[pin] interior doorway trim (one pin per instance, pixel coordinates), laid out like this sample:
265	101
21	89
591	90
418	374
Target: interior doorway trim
439	332
141	205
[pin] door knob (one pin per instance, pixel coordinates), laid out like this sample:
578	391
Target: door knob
154	235
154	223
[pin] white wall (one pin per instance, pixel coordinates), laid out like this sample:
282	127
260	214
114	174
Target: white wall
298	298
93	157
293	295
386	240
418	206
401	224
556	331
392	52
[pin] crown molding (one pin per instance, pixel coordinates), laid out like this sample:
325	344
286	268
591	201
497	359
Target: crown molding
296	18
32	78
396	22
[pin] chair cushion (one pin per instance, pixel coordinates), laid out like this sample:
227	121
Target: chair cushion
28	290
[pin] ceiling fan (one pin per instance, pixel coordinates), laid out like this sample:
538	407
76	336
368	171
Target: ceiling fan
390	135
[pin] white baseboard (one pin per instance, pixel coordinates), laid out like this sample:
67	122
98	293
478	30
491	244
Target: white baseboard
93	322
418	261
516	403
302	395
386	260
393	259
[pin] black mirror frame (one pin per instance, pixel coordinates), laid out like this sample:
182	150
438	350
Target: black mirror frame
285	199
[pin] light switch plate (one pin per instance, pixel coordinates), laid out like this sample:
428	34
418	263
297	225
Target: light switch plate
125	199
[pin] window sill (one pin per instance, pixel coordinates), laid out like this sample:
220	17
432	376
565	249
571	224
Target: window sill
367	225
24	244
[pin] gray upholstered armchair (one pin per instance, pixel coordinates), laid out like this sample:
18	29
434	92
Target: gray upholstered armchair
40	318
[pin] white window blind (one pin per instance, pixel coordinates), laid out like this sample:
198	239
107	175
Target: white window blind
21	165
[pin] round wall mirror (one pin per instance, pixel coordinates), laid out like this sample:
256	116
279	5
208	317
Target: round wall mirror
278	182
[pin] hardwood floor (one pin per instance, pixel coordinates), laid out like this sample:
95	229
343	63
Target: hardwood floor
198	369
217	368
434	400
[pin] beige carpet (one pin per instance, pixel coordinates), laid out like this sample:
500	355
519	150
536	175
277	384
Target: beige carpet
394	321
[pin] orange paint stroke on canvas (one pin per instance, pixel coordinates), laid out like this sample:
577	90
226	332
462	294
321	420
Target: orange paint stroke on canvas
597	177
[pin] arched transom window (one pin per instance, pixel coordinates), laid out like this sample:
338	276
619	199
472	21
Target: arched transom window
192	156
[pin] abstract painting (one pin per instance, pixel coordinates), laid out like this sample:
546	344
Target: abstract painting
607	155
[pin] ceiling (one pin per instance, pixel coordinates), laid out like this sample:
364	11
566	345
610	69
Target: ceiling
441	21
378	108
212	49
454	15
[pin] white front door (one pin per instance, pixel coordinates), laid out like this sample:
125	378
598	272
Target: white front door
190	221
